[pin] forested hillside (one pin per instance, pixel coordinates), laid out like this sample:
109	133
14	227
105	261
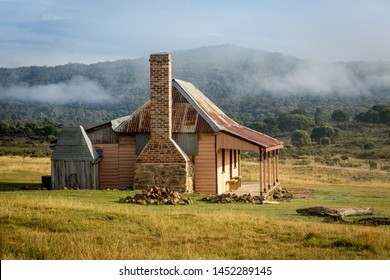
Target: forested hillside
249	85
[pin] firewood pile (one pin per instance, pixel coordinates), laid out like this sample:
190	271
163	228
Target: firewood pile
158	196
232	197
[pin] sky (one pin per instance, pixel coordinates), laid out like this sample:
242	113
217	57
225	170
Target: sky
55	32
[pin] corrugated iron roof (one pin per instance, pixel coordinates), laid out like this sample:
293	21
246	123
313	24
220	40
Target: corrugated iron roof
185	119
74	144
193	112
219	120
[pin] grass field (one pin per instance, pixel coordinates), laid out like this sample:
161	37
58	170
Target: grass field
75	224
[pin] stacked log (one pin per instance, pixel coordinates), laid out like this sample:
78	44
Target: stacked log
158	196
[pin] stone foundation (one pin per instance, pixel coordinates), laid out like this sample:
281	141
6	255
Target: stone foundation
175	176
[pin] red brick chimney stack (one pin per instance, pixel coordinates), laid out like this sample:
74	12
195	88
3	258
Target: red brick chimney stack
161	148
161	96
162	162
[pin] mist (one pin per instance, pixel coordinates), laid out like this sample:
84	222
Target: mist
78	89
315	78
321	78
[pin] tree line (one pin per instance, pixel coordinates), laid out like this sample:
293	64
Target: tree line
305	129
48	130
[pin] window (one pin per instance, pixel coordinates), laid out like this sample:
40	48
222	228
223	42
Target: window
223	160
235	158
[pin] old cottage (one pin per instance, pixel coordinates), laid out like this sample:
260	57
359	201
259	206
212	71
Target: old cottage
181	140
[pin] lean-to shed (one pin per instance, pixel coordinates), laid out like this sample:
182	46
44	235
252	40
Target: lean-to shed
74	163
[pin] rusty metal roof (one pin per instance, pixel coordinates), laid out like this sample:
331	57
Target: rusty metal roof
218	120
193	112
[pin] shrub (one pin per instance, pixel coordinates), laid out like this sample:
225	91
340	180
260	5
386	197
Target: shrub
350	164
300	138
341	115
373	164
325	131
386	168
291	122
369	145
302	162
332	161
325	141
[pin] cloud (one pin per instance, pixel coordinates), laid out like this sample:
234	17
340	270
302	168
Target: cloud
78	89
319	79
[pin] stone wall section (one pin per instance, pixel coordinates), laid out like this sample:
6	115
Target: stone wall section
178	177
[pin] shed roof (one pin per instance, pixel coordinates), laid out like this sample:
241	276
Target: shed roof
74	144
193	112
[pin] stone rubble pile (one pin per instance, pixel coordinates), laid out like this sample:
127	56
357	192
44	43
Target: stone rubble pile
232	197
158	196
282	193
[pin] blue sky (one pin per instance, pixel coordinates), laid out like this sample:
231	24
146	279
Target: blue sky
53	32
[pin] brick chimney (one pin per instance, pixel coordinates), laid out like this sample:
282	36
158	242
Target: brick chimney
162	162
161	96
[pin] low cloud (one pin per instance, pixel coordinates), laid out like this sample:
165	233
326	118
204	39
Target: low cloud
317	78
78	89
323	79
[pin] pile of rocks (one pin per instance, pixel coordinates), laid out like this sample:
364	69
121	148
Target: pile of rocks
281	193
232	197
158	196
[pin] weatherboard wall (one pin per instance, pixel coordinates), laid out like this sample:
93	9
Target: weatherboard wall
205	175
116	169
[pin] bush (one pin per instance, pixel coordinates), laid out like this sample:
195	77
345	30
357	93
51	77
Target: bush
325	131
291	122
332	161
350	164
300	138
302	162
325	141
386	168
341	115
373	164
369	145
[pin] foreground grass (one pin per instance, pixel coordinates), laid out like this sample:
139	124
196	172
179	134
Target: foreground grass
72	224
93	225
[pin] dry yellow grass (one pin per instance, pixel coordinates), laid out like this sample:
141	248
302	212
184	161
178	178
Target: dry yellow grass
93	225
314	173
23	169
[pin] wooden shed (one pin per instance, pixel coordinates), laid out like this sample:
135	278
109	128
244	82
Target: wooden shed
74	163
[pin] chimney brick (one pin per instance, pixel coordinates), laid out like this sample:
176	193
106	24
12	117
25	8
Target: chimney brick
162	161
161	148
